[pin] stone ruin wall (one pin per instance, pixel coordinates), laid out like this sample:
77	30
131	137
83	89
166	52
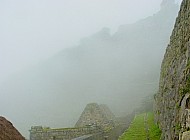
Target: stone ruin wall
46	133
97	115
96	120
172	103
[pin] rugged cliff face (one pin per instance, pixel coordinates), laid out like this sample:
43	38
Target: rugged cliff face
173	99
8	131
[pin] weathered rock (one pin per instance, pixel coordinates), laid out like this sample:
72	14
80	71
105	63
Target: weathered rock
186	135
172	107
8	131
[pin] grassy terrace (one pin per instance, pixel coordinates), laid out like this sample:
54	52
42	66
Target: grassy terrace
154	131
142	128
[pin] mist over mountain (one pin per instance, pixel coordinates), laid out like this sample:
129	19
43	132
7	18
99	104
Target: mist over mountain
115	69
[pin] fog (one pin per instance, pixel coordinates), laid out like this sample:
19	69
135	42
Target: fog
32	31
57	56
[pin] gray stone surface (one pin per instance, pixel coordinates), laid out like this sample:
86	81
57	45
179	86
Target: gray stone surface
172	100
186	135
46	133
97	115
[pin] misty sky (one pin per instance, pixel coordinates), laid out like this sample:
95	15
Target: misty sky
32	31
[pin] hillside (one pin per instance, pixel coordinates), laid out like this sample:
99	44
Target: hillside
100	69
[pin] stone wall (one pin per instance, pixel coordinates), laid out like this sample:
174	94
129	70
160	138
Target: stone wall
172	101
46	133
98	115
97	122
87	133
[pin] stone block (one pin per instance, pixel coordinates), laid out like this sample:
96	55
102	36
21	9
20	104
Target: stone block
186	135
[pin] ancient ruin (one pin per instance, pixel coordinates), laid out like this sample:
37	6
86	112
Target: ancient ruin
44	133
97	115
96	122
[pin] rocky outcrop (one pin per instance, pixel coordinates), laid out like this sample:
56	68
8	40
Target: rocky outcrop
172	103
8	131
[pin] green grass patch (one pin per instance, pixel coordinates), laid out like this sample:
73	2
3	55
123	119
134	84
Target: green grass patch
154	131
137	129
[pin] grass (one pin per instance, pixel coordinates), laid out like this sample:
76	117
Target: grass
137	129
154	131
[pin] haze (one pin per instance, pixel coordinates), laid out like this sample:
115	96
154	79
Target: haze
54	53
31	31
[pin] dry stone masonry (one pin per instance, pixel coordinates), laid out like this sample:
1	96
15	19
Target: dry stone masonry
172	103
46	133
97	115
95	123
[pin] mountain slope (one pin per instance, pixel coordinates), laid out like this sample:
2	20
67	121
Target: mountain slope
117	70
